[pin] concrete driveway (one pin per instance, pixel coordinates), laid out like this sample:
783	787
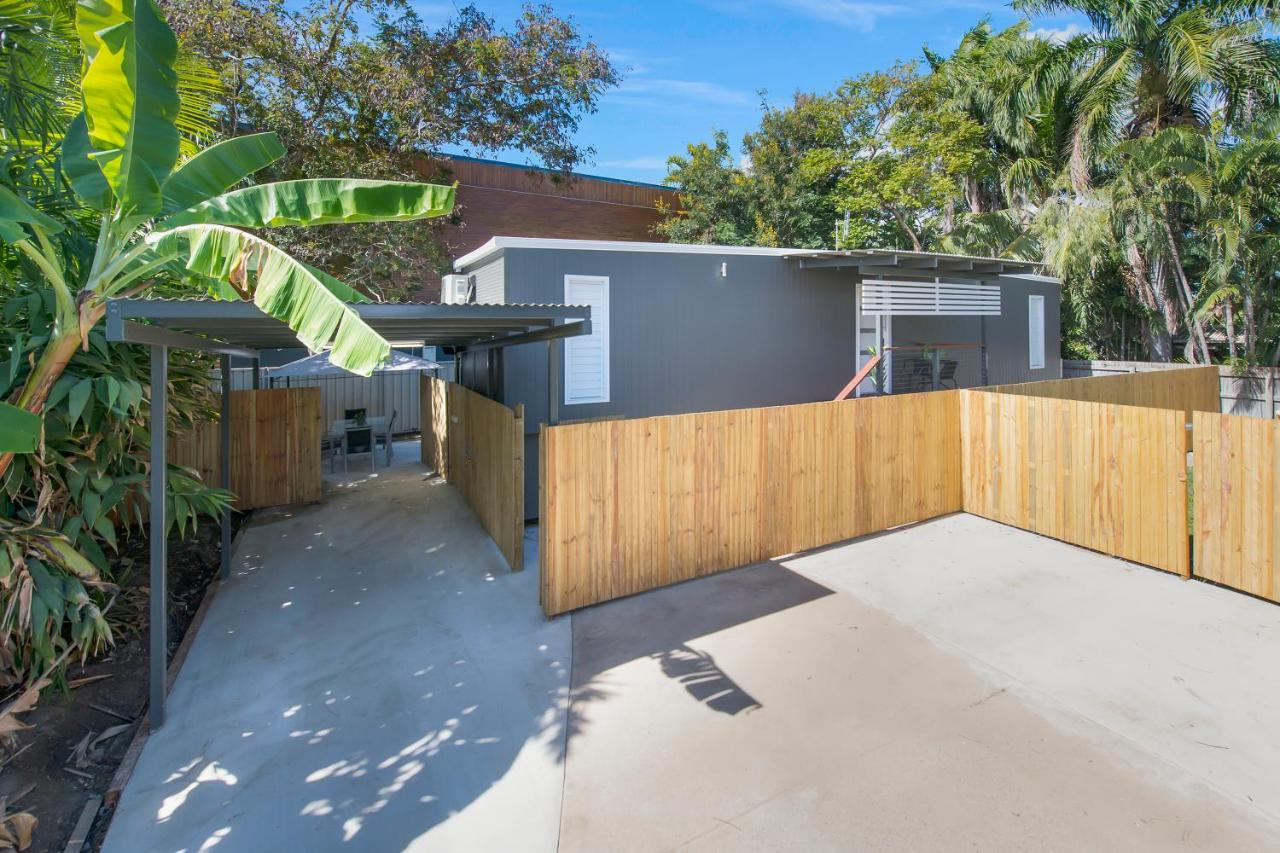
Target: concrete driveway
373	677
958	684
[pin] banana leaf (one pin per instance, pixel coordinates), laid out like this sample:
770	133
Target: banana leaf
131	102
86	178
283	288
218	168
319	201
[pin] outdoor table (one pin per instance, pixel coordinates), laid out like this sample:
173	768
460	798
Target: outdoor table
377	428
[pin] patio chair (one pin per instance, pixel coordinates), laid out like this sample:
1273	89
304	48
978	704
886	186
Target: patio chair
920	377
947	373
386	436
359	439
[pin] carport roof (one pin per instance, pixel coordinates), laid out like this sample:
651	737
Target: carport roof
239	328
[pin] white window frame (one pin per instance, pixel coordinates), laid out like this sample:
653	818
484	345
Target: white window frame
599	331
1035	311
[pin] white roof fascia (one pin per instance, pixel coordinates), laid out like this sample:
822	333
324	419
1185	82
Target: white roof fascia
497	244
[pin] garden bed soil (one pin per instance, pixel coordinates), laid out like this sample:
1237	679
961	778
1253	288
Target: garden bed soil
48	771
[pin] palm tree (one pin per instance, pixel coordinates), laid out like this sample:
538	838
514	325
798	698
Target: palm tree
1242	224
1154	64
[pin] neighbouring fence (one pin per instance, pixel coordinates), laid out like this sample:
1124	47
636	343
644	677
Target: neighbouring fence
275	448
478	446
631	505
1253	394
381	394
1237	502
1109	477
1190	389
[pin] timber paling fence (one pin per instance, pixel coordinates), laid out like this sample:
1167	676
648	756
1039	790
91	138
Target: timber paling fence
632	505
275	449
1255	393
477	445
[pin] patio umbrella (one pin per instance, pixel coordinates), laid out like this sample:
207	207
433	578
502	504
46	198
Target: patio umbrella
319	365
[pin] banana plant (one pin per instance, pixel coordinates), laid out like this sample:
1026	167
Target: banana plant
160	217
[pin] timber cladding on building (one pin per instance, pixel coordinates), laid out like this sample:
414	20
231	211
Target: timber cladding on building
496	198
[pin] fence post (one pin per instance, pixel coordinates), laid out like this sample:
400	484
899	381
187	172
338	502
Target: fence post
937	367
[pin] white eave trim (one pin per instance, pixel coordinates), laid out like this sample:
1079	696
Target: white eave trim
497	244
1029	278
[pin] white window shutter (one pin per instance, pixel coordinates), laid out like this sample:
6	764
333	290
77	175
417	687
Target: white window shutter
1035	332
586	357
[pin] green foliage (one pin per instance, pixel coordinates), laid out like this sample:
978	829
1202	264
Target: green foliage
97	205
64	510
715	197
372	100
1135	160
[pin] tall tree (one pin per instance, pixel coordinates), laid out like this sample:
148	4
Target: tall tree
366	88
716	198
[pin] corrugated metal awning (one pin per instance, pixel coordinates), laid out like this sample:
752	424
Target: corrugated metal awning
242	325
878	262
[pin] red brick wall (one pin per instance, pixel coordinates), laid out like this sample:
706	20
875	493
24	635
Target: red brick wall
499	200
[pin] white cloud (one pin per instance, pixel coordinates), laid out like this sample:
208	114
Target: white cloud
701	91
1057	34
639	164
847	13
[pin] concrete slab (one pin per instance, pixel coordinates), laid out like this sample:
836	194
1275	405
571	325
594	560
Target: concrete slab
1184	670
764	709
372	678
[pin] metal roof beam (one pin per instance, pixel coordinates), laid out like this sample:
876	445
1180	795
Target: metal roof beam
571	329
912	262
828	263
127	331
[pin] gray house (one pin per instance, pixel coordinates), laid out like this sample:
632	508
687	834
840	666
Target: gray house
688	328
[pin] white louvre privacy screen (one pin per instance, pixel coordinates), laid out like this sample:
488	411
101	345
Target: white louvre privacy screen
919	298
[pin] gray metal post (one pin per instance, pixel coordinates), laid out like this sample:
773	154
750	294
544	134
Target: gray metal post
159	552
937	368
224	444
553	382
257	373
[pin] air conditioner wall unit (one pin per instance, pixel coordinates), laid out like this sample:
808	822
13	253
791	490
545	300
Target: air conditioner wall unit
455	289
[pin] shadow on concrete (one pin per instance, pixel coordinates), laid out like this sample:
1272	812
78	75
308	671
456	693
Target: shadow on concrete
372	673
705	680
664	625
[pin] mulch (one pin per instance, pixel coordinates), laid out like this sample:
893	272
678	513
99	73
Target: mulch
51	770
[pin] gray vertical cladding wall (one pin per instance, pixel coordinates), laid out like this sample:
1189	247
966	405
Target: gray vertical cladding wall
489	283
684	339
1008	359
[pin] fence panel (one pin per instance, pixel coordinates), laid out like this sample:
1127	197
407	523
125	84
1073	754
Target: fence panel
477	444
1191	389
382	394
275	448
434	447
1255	393
1107	477
1237	502
632	505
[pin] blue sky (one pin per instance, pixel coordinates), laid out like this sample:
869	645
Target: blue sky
691	66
